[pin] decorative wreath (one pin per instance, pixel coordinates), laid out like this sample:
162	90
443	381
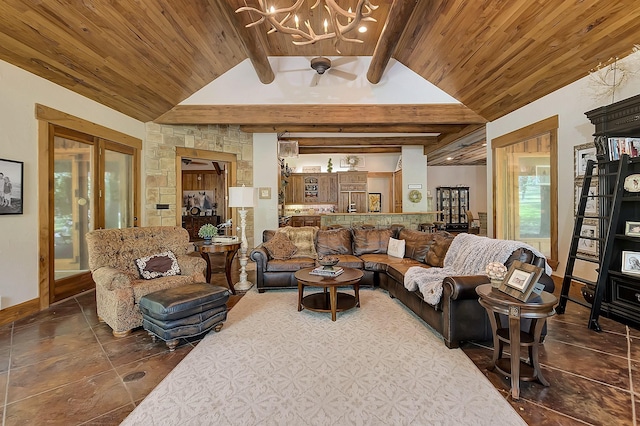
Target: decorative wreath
415	196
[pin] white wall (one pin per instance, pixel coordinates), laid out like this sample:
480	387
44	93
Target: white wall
19	92
372	162
472	176
266	173
569	103
414	172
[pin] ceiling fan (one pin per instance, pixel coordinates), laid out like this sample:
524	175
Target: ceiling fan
321	65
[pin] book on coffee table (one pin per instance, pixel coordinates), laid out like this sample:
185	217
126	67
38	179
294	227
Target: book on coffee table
333	272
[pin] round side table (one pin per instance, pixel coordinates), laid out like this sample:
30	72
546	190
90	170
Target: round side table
538	309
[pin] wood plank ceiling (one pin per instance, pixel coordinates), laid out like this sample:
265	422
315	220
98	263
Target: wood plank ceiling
142	58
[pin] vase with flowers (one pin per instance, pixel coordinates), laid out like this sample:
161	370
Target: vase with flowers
496	272
207	231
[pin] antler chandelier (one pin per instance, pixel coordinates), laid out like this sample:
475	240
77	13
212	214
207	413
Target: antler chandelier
332	27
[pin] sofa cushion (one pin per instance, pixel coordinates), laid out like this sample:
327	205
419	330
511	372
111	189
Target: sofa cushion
441	242
304	239
158	265
280	247
417	243
290	265
333	241
396	270
366	240
396	248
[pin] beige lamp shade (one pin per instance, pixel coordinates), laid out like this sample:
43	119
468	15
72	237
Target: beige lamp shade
242	196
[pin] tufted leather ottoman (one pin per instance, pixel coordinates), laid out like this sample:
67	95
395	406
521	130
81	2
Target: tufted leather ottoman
184	311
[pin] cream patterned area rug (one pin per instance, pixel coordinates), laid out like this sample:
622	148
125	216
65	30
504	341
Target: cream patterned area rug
272	365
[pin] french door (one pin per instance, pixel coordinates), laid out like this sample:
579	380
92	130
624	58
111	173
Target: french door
93	186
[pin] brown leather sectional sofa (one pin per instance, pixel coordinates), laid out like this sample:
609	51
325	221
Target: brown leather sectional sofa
457	317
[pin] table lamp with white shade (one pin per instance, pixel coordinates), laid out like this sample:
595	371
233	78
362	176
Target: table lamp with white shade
242	197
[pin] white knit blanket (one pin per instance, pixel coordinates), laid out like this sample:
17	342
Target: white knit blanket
468	254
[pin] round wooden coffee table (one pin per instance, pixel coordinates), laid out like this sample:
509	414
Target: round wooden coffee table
332	301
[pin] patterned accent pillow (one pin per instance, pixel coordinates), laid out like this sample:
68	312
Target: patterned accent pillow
280	247
158	265
304	238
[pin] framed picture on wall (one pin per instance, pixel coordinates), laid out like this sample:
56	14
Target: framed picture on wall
201	200
375	202
588	246
582	154
592	201
11	191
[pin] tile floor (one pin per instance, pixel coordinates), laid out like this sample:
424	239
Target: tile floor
61	366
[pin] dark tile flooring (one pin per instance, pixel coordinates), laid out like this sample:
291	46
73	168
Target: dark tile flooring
61	366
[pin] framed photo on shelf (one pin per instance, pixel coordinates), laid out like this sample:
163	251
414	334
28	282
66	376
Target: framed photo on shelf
592	201
588	246
582	154
375	202
630	262
520	280
11	186
632	229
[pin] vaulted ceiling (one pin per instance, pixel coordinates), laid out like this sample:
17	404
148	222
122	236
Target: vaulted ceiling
144	57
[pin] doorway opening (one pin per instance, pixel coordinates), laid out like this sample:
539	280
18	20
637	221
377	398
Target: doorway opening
202	182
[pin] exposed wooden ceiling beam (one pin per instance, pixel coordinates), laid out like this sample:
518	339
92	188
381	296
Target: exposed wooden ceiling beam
252	41
388	141
348	150
321	114
445	140
353	128
395	25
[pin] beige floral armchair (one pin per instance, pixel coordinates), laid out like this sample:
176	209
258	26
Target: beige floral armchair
119	286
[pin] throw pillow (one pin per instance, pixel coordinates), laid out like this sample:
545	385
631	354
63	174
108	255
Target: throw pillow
158	265
441	242
304	239
367	240
333	241
396	248
280	247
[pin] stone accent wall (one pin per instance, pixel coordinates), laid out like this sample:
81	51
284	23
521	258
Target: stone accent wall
408	220
159	163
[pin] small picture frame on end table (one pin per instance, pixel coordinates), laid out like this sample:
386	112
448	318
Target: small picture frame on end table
11	186
520	280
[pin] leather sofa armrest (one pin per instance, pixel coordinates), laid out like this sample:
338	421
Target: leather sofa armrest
192	265
111	278
464	287
261	257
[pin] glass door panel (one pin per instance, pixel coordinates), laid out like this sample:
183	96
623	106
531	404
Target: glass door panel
523	193
118	189
72	204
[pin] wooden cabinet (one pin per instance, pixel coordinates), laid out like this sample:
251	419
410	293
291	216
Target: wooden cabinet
328	188
305	221
306	188
454	203
293	192
352	197
193	223
397	191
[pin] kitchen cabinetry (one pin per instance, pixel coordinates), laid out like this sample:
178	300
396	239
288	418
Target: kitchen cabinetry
305	221
306	188
453	201
352	197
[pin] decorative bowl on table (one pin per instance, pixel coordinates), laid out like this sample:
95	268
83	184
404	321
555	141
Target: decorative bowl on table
328	262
